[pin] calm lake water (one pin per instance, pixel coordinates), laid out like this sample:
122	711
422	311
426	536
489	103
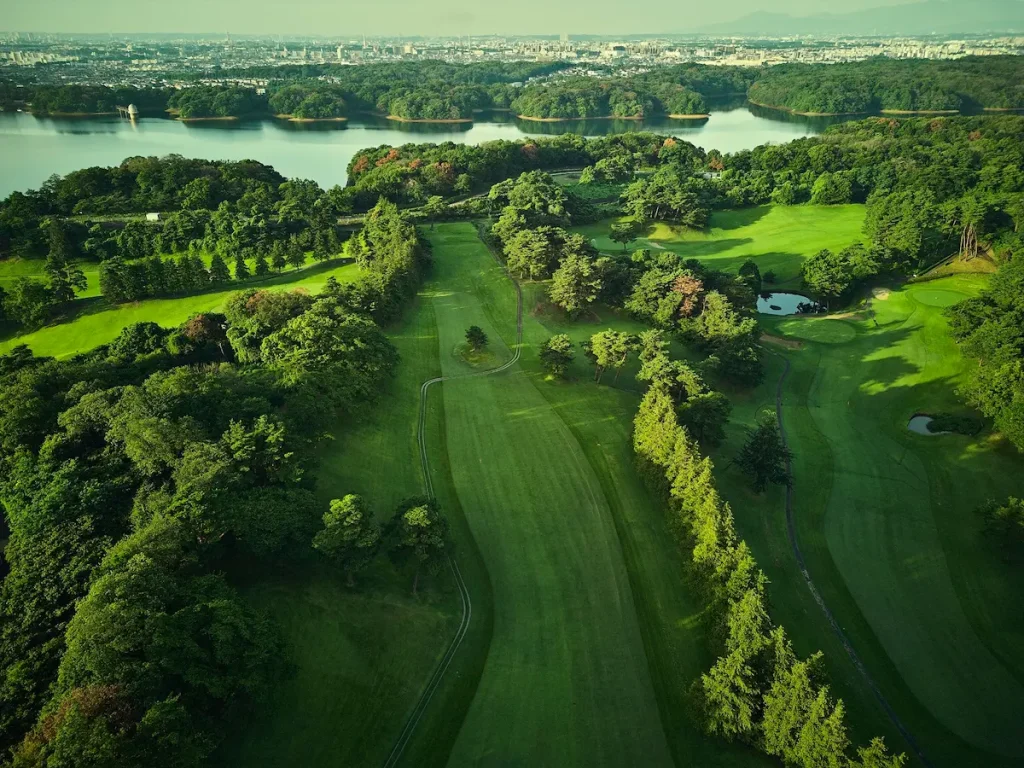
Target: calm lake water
32	148
782	303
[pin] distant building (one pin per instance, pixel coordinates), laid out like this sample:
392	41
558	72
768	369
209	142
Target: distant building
152	217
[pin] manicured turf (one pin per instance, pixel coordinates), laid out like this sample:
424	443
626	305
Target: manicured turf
12	269
600	416
884	518
97	322
778	238
566	681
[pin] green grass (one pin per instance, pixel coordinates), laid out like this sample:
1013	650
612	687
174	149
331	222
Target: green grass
363	657
566	680
97	322
12	269
778	238
358	659
884	518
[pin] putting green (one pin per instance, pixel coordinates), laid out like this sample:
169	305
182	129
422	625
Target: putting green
935	297
886	525
819	329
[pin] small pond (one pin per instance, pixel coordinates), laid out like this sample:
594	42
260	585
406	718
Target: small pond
784	304
919	424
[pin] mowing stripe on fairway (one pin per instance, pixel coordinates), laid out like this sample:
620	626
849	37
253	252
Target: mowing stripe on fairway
791	530
467	603
566	681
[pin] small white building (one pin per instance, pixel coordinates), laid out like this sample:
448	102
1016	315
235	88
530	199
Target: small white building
152	217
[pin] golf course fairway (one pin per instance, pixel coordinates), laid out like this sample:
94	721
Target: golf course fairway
566	680
883	517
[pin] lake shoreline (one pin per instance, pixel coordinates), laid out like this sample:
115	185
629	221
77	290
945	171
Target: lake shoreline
577	119
445	121
293	119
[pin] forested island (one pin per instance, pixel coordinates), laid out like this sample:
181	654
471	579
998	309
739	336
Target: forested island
438	92
885	85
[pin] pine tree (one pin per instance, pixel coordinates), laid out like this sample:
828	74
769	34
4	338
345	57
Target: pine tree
729	697
156	276
296	256
219	272
198	274
262	266
241	268
66	277
764	456
278	256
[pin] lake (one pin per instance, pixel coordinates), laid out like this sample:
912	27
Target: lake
32	148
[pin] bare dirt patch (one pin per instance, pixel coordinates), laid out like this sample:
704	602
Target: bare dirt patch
781	341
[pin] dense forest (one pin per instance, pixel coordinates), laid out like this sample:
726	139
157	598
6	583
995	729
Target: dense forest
990	330
424	90
139	479
973	83
676	90
433	90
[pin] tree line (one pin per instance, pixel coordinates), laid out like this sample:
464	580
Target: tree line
139	479
879	84
260	225
430	90
758	691
989	329
434	90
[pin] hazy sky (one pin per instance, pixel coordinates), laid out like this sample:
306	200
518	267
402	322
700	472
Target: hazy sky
403	17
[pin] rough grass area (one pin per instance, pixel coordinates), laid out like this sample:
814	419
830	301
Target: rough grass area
884	518
359	659
778	238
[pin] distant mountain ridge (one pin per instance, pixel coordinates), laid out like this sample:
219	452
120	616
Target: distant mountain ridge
921	18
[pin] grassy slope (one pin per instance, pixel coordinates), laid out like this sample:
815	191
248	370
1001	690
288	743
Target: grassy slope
566	680
363	657
884	520
12	269
777	238
97	322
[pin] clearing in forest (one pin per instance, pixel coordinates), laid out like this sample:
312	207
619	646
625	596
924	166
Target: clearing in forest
777	237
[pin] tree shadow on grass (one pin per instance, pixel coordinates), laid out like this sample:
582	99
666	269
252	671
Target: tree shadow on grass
697	248
738	218
93	305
